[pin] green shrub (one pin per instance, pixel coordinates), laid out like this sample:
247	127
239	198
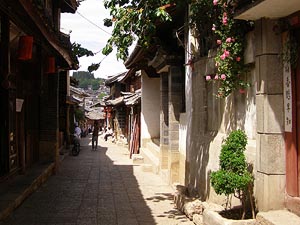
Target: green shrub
233	176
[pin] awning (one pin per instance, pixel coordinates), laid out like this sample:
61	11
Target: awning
132	98
115	102
95	115
115	78
72	101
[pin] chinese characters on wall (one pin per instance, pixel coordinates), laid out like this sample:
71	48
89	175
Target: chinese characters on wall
287	95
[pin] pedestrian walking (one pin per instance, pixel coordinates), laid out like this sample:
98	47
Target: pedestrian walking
95	136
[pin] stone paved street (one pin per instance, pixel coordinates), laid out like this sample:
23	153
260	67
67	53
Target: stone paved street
99	188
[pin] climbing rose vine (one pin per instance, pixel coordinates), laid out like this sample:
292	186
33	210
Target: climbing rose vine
230	47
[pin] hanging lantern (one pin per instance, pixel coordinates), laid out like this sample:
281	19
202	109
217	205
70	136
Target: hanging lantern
50	65
25	47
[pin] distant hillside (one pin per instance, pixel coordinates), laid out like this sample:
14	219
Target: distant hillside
86	78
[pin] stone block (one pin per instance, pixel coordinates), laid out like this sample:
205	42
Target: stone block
174	126
186	223
269	74
173	166
272	155
269	191
274	114
249	54
198	219
269	114
267	41
210	64
137	159
293	204
260	113
277	217
200	66
182	172
147	168
193	207
214	218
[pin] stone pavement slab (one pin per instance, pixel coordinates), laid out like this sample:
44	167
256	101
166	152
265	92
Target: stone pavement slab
100	187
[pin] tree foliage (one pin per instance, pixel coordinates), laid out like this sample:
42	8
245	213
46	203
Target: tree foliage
87	79
135	20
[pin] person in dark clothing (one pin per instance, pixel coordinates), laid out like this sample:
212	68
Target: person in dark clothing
95	136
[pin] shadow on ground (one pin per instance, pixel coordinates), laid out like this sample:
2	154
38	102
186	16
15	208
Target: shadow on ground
99	187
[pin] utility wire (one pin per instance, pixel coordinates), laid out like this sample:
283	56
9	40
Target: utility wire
91	22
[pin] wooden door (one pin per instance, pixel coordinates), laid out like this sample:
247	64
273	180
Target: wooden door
292	137
297	100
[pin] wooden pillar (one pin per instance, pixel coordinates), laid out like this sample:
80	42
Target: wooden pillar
4	70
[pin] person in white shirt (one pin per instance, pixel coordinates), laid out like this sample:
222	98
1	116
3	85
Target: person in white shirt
108	133
77	131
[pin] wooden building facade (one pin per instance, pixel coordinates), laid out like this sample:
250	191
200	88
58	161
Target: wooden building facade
35	59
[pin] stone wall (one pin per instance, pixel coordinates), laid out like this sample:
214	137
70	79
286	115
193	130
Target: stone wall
270	180
209	120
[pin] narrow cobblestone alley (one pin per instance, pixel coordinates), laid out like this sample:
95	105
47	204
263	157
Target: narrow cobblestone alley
99	188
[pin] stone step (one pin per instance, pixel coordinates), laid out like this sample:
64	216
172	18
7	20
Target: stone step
277	217
150	158
147	168
154	148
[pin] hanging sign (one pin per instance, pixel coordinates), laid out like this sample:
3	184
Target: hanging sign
287	96
25	47
19	104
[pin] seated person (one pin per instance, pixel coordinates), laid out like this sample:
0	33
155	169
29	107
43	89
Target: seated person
77	131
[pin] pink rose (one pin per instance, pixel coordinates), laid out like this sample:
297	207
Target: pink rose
223	56
223	76
238	59
226	53
219	42
215	2
224	19
208	78
216	77
228	40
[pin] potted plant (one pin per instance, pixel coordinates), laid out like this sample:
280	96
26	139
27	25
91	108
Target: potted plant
233	176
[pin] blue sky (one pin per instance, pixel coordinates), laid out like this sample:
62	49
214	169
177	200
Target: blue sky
91	36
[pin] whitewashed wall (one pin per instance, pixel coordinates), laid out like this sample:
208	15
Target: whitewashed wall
150	109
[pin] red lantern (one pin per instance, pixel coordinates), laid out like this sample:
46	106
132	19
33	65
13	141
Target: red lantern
50	65
25	47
